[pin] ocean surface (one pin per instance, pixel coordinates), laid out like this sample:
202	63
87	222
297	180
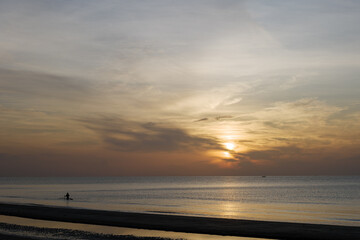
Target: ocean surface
325	200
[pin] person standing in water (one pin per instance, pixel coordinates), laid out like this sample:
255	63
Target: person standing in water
67	196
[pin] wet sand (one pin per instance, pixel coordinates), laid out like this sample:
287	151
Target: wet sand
216	226
22	232
12	237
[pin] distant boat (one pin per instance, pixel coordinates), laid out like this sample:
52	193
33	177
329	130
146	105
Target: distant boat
263	176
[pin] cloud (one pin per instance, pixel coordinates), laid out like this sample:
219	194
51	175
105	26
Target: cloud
201	120
329	25
218	118
304	123
232	101
46	163
231	64
30	85
223	117
295	136
300	115
129	136
294	160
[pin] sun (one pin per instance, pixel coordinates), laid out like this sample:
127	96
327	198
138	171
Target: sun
229	146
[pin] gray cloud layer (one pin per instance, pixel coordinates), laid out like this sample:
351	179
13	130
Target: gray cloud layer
149	137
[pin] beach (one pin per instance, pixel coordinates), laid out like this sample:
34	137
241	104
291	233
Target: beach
21	232
205	225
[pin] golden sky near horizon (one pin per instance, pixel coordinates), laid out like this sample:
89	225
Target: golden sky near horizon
204	87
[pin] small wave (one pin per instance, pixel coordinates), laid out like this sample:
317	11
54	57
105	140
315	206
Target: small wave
166	212
11	197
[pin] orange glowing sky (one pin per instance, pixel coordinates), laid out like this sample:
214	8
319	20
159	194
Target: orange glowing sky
113	88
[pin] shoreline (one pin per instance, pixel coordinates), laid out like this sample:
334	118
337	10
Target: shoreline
189	224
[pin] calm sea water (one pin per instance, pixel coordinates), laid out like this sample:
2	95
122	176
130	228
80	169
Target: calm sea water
328	200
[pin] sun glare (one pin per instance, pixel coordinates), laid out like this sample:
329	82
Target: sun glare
229	146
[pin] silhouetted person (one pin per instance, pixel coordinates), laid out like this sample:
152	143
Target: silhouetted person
67	196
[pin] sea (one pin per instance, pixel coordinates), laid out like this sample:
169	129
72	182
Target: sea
333	200
306	199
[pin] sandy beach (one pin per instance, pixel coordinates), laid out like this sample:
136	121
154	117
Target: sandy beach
216	226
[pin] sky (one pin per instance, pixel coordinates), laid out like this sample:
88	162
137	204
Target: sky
168	87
